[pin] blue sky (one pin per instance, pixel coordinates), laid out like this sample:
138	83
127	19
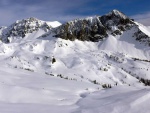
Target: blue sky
65	10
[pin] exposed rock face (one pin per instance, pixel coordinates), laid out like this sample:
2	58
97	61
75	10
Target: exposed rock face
116	22
22	27
142	37
95	28
89	29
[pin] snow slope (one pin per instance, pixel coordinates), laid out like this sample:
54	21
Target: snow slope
116	100
127	44
42	73
23	91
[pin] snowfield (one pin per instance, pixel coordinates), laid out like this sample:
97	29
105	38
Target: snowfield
40	73
30	92
23	91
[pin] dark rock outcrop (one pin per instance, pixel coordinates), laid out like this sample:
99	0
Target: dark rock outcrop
23	27
94	28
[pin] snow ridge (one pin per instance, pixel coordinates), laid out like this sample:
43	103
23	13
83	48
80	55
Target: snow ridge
95	28
91	65
23	27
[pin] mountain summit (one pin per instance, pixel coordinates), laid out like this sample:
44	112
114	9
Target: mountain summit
23	27
117	14
100	27
95	28
89	29
48	66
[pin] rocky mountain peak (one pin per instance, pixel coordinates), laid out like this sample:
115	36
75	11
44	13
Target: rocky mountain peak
22	27
92	29
116	13
26	22
95	28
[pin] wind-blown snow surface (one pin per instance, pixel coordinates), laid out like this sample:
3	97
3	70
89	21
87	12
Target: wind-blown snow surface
116	100
28	92
32	82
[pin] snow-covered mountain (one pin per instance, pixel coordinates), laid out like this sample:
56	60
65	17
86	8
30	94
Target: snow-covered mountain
95	28
21	28
99	27
56	66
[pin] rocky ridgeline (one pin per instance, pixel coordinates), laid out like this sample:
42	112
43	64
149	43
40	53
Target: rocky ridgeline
95	28
142	37
22	27
89	29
